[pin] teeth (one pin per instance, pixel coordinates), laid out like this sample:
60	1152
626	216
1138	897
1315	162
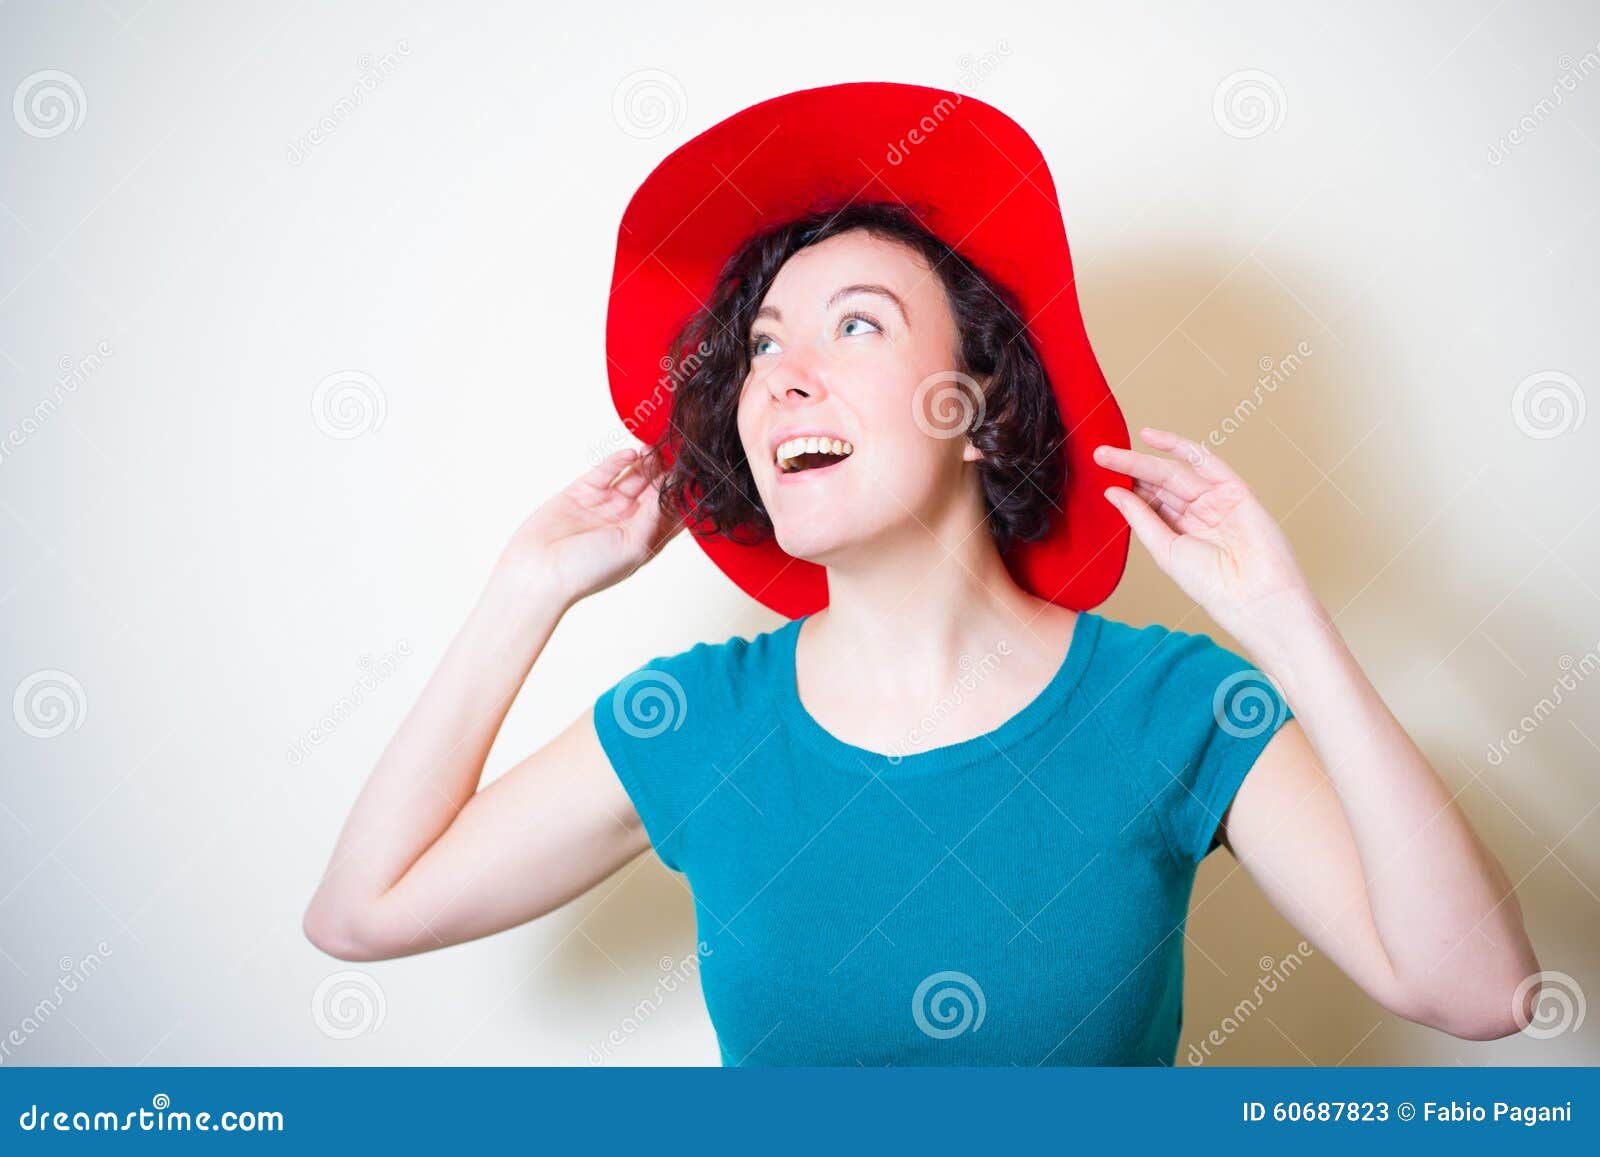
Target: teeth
794	447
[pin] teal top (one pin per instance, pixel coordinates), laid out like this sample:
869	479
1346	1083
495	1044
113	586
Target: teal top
1014	898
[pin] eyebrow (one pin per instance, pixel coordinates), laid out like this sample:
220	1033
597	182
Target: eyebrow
842	293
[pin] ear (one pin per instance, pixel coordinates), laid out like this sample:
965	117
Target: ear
970	453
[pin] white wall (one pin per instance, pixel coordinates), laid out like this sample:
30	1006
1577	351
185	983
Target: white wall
183	540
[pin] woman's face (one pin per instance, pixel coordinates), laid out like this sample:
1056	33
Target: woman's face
855	341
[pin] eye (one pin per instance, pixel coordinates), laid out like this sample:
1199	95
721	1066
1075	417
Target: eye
858	319
758	345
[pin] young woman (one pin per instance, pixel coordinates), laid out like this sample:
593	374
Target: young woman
946	817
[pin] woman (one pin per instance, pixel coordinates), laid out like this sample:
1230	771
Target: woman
946	814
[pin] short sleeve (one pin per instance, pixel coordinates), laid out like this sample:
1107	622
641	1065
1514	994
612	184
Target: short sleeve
1206	715
663	726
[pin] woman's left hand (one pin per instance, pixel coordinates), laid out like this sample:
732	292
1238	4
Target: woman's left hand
1208	533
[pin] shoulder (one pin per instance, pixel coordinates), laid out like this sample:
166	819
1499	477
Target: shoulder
1153	675
704	686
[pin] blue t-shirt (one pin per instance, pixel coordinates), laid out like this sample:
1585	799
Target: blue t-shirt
1016	898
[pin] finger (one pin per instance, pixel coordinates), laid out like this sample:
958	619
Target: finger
1156	535
1169	508
1205	461
1175	476
605	471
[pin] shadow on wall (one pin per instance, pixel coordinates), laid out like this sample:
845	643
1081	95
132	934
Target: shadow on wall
1313	411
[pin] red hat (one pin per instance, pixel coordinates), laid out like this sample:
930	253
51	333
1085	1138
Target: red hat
976	180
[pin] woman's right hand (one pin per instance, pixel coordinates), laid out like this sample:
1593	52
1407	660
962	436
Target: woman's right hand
596	531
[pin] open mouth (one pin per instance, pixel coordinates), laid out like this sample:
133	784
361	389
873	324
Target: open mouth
811	453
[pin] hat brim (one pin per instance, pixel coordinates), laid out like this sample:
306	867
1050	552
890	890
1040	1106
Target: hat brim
974	178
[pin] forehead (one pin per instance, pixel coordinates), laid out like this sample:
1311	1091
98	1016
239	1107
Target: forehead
808	278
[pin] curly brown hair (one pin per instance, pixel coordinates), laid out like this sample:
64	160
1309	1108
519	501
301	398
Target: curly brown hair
706	474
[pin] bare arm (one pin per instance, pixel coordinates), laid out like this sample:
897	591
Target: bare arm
427	859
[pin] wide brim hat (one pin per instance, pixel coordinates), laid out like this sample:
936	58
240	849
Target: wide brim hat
975	179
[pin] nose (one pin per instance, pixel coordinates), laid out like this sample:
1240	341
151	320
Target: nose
795	380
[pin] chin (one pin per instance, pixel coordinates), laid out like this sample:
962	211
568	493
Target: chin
818	544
